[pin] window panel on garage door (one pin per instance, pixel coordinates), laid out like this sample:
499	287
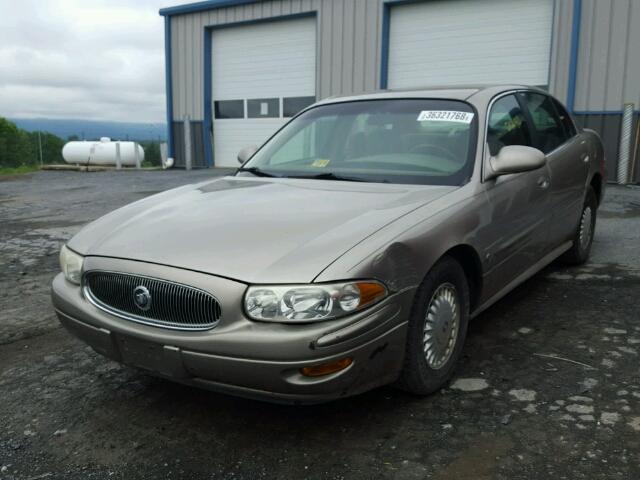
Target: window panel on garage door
263	108
228	109
263	64
470	42
292	105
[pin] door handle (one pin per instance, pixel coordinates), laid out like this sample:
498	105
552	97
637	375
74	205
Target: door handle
543	182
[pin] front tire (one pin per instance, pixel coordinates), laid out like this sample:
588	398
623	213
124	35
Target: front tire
437	329
583	236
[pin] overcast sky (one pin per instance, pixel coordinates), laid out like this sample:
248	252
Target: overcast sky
85	59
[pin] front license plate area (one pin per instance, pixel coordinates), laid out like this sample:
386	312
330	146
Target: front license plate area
140	353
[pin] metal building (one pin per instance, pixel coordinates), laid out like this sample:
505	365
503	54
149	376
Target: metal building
238	69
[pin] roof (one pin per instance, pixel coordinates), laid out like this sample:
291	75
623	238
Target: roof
201	6
444	92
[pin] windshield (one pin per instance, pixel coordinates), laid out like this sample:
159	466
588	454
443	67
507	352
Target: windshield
419	141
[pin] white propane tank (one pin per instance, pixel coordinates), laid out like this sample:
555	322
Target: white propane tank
102	152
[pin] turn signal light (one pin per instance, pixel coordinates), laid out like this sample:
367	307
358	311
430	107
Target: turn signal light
326	368
370	292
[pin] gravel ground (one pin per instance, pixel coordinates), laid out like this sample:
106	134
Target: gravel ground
549	386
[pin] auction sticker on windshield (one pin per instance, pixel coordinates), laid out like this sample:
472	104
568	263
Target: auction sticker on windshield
445	116
320	162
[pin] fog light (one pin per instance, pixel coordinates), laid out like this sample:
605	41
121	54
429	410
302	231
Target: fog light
326	368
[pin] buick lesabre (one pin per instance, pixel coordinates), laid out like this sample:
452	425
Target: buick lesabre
349	251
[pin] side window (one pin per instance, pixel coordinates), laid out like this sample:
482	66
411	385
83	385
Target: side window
565	118
507	125
550	133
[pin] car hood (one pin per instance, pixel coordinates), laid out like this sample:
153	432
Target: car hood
255	230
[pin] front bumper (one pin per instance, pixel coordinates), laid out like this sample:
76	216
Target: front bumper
240	356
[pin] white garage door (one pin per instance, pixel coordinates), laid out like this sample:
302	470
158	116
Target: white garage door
470	42
261	74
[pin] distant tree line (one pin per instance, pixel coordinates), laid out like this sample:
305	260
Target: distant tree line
151	153
21	148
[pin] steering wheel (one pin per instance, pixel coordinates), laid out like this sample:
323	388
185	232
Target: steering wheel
429	147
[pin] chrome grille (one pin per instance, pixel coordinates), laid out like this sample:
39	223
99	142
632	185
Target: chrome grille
172	305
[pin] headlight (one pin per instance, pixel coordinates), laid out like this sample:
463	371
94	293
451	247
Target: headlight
308	303
71	265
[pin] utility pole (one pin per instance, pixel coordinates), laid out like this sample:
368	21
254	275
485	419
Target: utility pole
40	147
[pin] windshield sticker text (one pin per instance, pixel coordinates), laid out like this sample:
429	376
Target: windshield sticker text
445	116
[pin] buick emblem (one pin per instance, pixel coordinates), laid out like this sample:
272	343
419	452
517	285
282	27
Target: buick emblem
142	298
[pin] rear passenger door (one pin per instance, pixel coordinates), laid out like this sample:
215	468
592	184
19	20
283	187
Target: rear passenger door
516	235
567	159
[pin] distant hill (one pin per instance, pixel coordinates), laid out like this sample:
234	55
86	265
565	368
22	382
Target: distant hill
92	130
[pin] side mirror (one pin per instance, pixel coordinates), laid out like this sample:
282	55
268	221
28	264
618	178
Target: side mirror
516	159
246	153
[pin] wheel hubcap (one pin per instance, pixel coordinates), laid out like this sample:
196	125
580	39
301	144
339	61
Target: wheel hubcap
441	325
585	228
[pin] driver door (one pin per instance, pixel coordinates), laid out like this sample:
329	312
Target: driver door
515	235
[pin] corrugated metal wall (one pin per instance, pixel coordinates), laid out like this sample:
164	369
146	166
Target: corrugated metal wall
349	46
608	73
609	127
609	55
197	145
560	48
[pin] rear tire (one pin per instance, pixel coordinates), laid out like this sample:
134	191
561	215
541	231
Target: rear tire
437	329
583	236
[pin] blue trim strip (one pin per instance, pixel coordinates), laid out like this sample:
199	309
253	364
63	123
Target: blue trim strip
208	122
554	10
573	58
168	84
384	54
202	6
384	48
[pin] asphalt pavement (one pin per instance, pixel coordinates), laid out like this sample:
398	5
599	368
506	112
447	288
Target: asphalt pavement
549	386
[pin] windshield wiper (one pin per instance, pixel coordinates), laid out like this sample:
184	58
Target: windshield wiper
257	172
319	176
329	176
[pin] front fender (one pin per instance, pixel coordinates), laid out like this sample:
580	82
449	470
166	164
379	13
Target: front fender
402	253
